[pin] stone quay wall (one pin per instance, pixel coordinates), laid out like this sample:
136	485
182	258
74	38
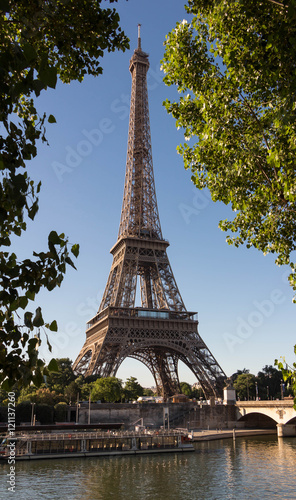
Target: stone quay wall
185	415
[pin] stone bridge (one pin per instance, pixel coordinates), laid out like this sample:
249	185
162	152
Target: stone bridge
279	413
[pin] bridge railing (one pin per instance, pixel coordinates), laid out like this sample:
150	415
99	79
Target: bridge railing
267	402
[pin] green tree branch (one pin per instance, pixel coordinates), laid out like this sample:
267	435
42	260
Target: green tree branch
40	42
234	65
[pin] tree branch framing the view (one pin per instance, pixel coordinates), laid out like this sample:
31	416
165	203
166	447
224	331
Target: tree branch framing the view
40	41
234	64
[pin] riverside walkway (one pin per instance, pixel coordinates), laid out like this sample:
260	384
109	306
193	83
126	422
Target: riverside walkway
210	435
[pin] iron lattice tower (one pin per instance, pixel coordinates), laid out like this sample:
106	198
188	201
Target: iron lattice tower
161	332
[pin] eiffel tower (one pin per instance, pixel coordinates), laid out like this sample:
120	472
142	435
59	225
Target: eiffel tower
161	332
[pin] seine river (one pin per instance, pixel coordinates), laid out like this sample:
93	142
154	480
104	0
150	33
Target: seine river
245	469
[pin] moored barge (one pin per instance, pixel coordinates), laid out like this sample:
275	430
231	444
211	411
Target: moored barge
42	445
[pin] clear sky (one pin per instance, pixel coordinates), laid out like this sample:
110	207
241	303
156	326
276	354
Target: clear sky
244	304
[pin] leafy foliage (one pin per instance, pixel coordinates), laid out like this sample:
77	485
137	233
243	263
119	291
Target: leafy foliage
245	386
71	392
237	373
62	376
268	382
46	396
148	392
289	374
186	389
235	66
39	43
132	389
108	390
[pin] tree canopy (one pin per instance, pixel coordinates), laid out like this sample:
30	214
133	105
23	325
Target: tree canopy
107	389
186	389
132	389
245	386
267	384
234	64
39	43
62	377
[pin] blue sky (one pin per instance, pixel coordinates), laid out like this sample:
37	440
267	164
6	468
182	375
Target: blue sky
244	304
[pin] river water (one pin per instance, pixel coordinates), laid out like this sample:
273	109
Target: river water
244	469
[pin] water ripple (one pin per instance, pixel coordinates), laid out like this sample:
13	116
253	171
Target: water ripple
249	468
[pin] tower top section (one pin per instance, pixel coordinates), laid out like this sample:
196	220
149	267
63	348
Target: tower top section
139	37
139	55
139	214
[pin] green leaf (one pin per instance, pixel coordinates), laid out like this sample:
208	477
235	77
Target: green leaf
70	262
53	326
38	378
28	319
23	301
32	345
14	305
38	319
25	338
30	295
33	210
54	238
51	119
30	52
75	250
53	365
48	76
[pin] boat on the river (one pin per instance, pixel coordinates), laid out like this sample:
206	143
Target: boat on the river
44	445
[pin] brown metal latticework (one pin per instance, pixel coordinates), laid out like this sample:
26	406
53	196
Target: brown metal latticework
161	332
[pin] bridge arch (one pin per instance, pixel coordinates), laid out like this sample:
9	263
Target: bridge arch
292	421
279	413
258	420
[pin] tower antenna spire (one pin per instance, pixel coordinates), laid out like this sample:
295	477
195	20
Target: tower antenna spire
139	36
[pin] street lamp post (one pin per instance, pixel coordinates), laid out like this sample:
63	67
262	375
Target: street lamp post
248	387
282	389
32	414
89	401
77	409
256	384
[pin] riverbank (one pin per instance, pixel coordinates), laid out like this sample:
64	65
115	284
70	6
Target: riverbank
210	435
44	445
